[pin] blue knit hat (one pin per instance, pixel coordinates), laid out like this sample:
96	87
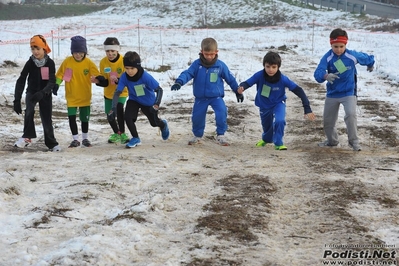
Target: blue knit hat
78	45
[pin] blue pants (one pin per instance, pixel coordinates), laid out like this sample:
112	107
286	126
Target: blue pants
273	124
198	116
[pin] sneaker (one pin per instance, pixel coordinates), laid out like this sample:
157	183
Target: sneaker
75	143
55	148
86	143
355	147
114	138
133	143
165	130
280	148
222	140
23	142
261	143
326	144
124	138
194	140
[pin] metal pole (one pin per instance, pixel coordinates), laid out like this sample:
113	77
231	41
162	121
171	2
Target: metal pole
138	33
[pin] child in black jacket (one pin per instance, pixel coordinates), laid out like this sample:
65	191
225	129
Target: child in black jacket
40	72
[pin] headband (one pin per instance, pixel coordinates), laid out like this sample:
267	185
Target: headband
112	47
339	39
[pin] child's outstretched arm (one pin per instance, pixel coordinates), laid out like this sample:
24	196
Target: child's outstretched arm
159	93
101	82
365	60
242	87
19	89
57	84
112	113
98	80
298	91
240	91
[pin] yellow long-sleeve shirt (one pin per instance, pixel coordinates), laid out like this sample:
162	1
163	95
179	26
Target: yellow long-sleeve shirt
78	89
106	68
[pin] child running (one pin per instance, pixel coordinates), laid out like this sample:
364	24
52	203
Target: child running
111	67
271	99
208	73
40	72
78	72
338	67
145	94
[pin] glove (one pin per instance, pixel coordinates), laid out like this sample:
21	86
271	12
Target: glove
111	115
55	89
331	77
176	87
240	97
37	96
370	69
17	107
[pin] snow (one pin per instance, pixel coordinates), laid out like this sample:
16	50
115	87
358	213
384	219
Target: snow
108	205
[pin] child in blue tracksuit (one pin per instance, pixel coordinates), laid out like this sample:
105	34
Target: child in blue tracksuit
208	73
145	94
271	98
338	67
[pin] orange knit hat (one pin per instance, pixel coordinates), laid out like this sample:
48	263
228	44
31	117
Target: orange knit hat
40	41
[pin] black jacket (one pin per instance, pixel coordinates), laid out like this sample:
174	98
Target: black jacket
35	81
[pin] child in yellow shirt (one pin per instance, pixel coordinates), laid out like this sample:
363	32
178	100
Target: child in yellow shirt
111	67
78	72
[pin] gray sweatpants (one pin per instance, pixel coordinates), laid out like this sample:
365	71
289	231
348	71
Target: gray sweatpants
330	116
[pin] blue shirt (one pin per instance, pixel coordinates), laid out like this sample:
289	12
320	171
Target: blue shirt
208	81
269	94
142	90
345	84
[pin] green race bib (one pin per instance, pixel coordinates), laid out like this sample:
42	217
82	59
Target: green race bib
340	66
139	90
265	91
214	77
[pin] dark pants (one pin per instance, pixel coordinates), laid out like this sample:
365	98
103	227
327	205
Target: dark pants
131	113
118	125
45	110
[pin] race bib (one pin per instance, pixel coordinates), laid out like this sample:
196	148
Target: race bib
214	77
45	73
67	75
265	91
113	75
340	66
139	90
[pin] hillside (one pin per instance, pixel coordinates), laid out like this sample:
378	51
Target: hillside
42	11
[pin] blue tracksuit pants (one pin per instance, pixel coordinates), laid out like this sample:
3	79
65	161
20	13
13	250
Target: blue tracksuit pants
273	123
198	116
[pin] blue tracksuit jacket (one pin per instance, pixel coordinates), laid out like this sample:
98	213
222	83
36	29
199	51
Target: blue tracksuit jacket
208	82
345	85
